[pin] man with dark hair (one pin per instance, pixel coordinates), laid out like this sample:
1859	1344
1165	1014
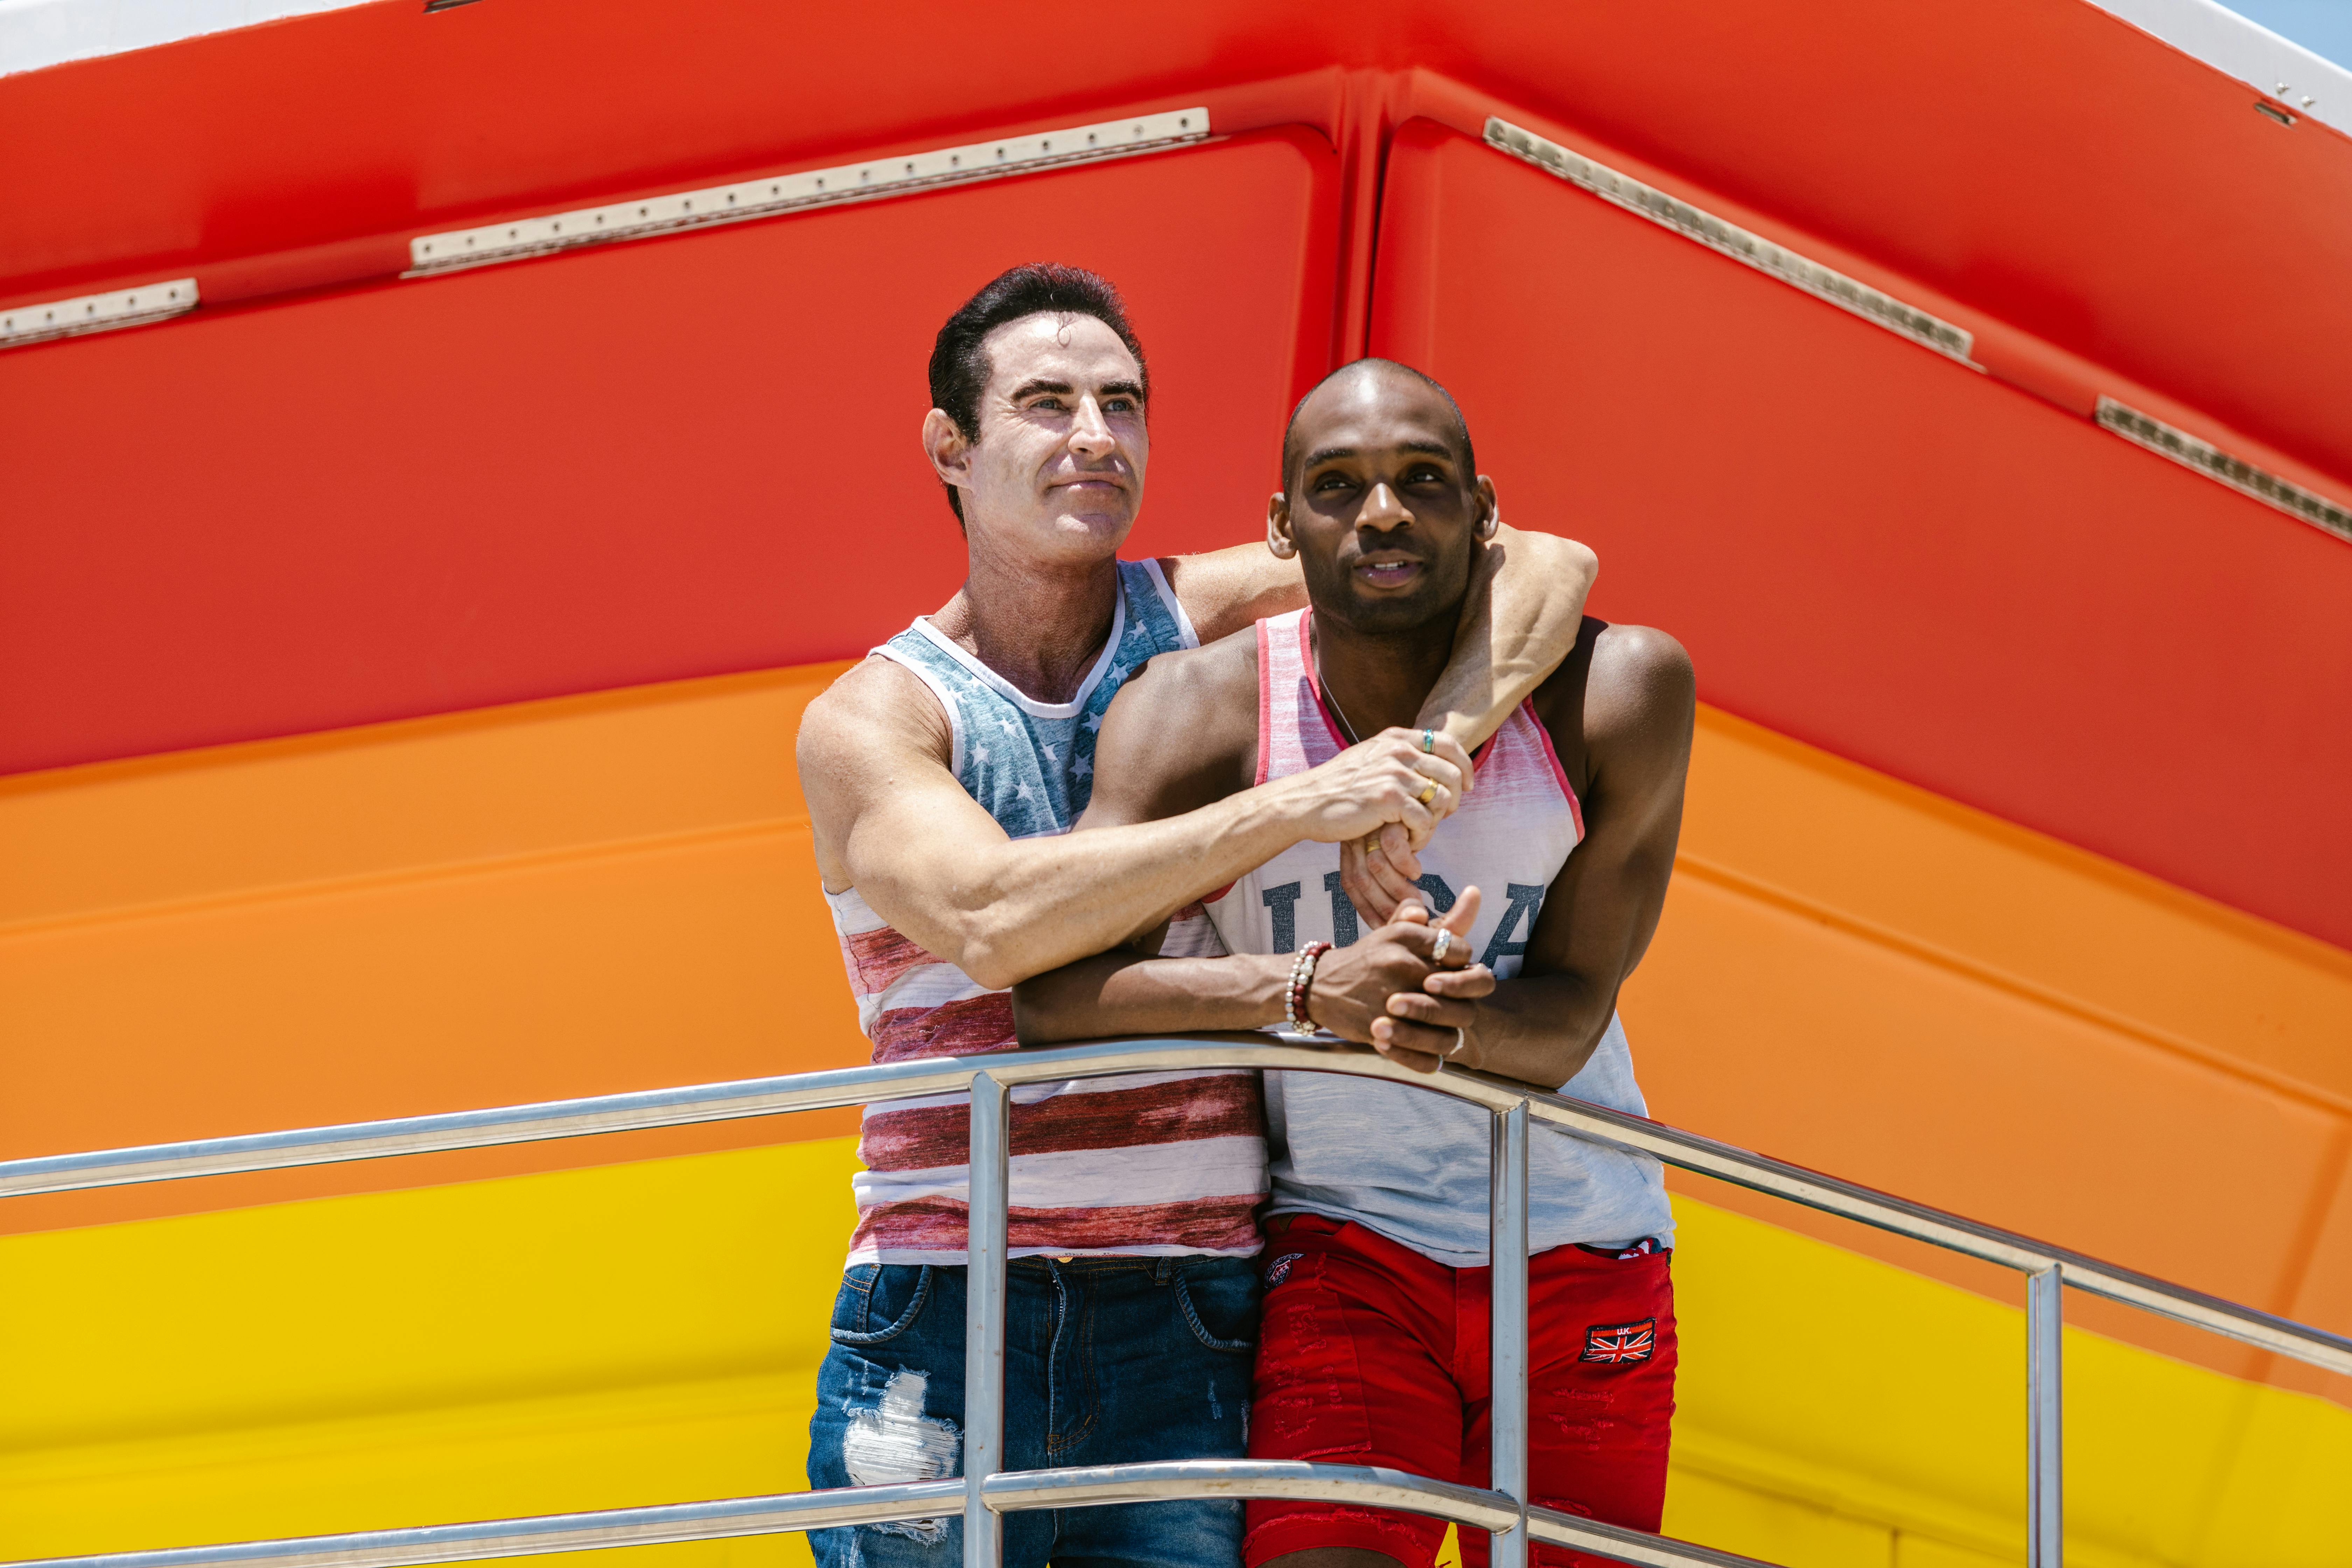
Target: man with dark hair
942	777
1551	878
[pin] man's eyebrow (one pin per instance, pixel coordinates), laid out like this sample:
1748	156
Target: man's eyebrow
1030	388
1123	389
1327	454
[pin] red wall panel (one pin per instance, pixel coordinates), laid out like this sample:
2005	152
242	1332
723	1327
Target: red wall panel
1886	554
666	459
2040	160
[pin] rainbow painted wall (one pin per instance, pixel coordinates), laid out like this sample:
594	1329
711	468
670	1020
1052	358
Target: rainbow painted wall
398	679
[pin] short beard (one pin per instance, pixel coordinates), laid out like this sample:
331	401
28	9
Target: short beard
1444	584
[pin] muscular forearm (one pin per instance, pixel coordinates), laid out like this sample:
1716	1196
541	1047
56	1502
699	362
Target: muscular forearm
1541	1031
1015	908
1521	619
1127	994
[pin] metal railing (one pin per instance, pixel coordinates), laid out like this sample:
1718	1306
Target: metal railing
984	1493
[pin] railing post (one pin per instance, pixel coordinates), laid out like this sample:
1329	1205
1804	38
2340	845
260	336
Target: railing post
1506	1253
983	1317
2045	1445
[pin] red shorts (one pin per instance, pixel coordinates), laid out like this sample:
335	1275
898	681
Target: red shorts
1371	1354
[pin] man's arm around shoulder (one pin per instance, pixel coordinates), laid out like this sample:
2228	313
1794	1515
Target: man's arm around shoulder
1520	619
890	820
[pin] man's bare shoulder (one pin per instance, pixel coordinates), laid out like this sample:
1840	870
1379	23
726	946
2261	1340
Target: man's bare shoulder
1638	672
1181	733
1620	685
1641	700
1213	673
877	703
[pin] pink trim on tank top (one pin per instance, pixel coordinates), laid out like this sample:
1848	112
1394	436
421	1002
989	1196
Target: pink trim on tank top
1543	732
1265	703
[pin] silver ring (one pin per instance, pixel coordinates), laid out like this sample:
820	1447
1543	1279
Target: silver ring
1444	945
1461	1039
1429	740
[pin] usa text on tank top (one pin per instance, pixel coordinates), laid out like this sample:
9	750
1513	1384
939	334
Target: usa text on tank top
1511	836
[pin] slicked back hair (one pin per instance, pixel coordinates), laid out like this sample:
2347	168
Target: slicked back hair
1290	453
959	367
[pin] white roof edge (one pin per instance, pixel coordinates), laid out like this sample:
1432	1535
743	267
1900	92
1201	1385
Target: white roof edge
2280	68
34	34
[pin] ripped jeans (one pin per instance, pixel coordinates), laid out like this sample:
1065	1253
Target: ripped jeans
1108	1360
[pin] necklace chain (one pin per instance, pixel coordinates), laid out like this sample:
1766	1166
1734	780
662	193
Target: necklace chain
1333	698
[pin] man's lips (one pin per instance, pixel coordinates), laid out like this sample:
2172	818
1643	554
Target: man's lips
1388	571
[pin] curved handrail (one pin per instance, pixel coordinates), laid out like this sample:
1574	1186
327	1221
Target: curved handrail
840	1086
733	1517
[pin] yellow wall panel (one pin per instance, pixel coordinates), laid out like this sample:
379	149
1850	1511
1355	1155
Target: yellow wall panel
598	1338
648	1332
1770	1527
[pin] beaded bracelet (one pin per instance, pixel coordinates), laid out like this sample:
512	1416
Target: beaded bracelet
1302	980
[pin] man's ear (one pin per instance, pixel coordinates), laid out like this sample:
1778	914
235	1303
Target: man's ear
1278	528
1490	515
950	453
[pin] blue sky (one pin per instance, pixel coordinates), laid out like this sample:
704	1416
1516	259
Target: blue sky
2322	26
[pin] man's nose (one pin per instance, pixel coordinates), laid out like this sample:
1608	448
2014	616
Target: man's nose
1383	511
1090	433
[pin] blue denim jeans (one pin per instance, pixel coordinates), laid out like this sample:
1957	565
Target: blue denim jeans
1108	1360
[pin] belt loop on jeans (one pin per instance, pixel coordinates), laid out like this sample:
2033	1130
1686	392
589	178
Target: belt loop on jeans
1161	1268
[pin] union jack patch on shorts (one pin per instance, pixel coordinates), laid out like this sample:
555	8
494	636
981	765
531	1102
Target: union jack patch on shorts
1279	1270
1619	1342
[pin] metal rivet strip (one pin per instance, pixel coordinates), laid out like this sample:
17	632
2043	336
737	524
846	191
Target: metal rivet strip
433	253
25	324
1730	240
2215	464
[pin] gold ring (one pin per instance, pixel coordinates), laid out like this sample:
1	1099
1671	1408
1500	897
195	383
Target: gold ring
1428	792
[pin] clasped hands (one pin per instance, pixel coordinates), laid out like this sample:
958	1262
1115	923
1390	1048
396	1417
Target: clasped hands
1391	991
1380	801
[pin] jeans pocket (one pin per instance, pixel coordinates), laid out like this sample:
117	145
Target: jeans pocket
893	1294
1219	1300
